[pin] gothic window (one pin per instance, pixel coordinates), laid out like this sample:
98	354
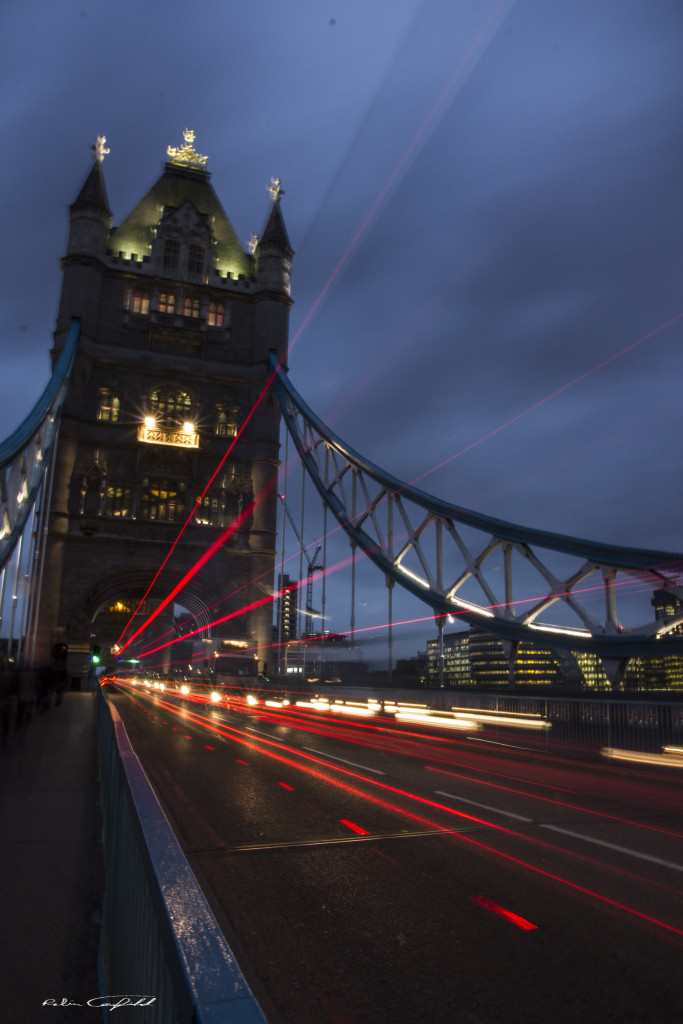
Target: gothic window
171	254
166	302
93	496
226	422
117	501
170	405
163	500
207	512
109	406
216	311
191	308
195	260
137	301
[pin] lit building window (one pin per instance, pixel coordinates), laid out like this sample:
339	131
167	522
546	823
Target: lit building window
215	314
207	512
166	302
171	254
191	308
117	501
170	406
137	301
120	607
109	407
163	500
195	260
226	422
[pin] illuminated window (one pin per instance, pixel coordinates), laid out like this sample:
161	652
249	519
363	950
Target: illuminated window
195	260
137	302
117	501
215	314
171	254
170	406
166	302
207	513
226	422
163	500
191	308
121	607
109	407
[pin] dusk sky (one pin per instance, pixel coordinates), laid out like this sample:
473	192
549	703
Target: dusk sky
484	198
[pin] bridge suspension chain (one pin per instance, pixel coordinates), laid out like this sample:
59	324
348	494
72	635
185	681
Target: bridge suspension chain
508	579
26	461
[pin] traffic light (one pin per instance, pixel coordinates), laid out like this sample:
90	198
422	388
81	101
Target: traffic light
96	655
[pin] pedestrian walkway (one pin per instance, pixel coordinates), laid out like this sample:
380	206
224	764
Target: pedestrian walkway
51	874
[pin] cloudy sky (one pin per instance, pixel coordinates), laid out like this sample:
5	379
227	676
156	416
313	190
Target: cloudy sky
484	197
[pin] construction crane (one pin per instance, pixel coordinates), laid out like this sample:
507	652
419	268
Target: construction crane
312	568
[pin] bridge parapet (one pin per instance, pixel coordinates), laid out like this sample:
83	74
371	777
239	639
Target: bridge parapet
159	935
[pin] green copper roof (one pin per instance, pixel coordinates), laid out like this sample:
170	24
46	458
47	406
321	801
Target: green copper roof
176	186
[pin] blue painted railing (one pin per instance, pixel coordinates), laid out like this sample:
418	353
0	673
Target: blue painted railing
160	942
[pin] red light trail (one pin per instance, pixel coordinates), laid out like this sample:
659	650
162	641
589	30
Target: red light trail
275	751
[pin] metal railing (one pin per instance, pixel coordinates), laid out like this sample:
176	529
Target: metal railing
570	724
160	942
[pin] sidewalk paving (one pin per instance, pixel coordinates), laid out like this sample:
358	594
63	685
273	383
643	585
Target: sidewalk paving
51	872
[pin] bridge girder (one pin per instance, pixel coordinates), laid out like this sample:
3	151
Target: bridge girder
471	566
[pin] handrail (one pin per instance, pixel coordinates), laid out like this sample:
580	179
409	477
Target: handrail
159	939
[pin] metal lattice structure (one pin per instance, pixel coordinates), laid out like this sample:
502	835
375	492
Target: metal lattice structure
26	461
511	580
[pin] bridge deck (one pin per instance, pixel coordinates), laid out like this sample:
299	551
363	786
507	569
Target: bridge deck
50	864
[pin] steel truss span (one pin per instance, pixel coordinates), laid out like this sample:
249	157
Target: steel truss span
511	580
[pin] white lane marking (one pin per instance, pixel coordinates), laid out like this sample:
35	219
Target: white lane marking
483	807
267	735
343	759
614	846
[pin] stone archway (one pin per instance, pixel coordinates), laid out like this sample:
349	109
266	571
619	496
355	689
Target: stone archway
119	604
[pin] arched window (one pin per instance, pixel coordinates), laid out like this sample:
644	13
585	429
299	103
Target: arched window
171	254
117	501
170	405
163	499
195	259
208	511
226	421
93	495
109	407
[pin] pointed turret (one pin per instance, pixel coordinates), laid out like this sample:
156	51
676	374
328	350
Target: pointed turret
273	255
273	252
275	233
90	216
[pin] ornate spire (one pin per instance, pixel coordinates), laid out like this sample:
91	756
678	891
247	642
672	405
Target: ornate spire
186	156
275	189
99	147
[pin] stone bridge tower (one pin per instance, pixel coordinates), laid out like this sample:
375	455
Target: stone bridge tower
177	322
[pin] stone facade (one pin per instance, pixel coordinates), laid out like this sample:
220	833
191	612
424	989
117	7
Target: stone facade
177	322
